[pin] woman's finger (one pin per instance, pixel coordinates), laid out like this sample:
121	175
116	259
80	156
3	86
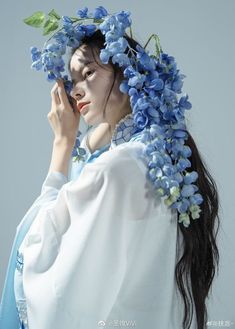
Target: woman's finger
73	103
55	95
62	95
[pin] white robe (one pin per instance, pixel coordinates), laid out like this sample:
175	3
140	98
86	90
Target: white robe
101	251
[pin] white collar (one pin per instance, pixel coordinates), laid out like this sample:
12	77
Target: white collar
123	131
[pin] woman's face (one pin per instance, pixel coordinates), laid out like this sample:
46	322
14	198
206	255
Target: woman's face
92	83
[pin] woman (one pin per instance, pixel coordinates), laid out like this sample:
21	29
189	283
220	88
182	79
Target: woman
101	249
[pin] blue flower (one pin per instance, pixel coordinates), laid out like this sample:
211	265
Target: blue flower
149	149
67	20
68	29
124	87
157	159
183	164
184	103
118	46
123	17
183	205
168	169
165	183
153	112
121	59
140	104
176	147
176	84
132	91
35	54
188	190
114	34
113	28
156	84
146	62
136	80
37	65
100	12
186	152
178	113
141	119
68	85
82	13
155	130
105	55
89	29
73	42
78	33
190	177
51	76
178	177
104	27
169	96
178	133
61	38
196	198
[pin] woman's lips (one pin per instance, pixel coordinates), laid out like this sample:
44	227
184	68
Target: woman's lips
82	107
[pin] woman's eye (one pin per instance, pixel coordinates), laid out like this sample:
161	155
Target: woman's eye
89	73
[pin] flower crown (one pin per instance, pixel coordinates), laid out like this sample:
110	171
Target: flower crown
151	80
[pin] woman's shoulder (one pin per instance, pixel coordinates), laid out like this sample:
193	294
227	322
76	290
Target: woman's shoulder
123	157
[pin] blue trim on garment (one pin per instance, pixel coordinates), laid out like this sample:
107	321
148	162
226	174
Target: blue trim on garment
8	312
19	292
19	261
95	154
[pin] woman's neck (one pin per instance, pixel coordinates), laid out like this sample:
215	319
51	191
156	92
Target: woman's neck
101	135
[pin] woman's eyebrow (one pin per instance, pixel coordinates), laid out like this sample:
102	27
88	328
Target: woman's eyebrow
86	62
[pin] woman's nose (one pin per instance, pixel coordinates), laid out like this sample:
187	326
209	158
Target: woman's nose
77	92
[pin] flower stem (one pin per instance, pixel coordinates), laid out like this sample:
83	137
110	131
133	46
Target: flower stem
157	44
73	18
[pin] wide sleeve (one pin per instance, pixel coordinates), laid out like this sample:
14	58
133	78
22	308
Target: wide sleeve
49	191
75	254
50	188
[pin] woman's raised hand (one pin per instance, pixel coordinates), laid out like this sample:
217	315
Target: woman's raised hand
63	118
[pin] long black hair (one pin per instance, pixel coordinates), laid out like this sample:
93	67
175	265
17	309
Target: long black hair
198	256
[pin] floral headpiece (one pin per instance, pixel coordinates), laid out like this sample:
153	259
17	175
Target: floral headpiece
151	81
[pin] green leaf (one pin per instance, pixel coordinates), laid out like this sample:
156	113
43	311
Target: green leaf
49	26
98	20
75	158
35	20
75	19
53	14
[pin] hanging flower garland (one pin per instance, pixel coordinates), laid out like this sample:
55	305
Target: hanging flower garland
152	82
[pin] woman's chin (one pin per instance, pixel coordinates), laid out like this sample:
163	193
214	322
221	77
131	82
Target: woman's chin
91	120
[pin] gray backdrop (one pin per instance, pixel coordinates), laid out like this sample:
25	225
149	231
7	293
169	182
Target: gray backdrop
199	34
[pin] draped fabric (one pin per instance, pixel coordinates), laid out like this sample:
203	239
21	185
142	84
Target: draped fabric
98	249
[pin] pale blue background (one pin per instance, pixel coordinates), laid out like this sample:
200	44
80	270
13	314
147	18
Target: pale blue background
199	34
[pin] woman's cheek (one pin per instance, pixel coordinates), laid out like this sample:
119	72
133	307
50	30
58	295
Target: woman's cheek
99	83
